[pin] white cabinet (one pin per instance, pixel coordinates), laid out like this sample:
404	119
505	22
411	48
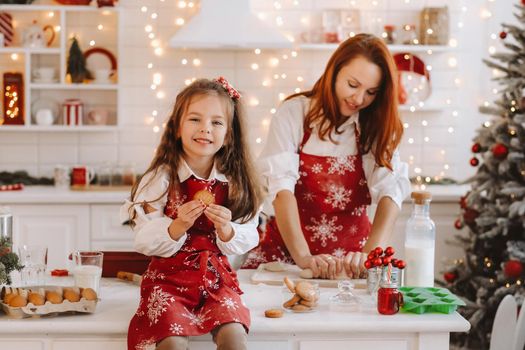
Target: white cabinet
97	31
107	232
62	228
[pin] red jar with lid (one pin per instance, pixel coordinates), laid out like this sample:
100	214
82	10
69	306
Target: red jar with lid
389	299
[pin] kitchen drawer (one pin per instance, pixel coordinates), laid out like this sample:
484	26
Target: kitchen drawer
106	225
84	344
355	344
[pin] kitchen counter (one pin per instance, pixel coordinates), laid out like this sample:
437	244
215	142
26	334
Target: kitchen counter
338	329
50	194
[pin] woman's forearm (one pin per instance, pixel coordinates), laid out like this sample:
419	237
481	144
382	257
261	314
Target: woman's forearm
289	224
384	220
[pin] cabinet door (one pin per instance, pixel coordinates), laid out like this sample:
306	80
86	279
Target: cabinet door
107	232
62	228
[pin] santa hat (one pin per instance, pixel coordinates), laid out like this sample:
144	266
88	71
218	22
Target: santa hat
408	62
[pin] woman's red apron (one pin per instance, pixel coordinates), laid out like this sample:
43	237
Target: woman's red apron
332	196
195	290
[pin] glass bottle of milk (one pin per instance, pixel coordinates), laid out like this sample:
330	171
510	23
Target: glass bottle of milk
419	243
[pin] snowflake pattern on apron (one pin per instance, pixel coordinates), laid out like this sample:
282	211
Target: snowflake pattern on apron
332	196
193	291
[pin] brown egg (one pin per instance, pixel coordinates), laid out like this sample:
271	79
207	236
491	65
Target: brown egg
36	299
71	295
53	297
18	301
89	294
8	297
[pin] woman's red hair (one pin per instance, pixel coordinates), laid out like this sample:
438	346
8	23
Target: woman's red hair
381	127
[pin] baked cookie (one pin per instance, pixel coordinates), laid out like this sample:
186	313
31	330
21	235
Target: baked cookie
205	197
305	290
273	313
289	283
294	300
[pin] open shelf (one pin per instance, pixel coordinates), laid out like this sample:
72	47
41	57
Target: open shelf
392	48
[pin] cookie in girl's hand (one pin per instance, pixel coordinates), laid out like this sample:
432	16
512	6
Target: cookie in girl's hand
205	197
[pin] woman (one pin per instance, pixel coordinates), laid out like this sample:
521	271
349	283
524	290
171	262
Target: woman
330	152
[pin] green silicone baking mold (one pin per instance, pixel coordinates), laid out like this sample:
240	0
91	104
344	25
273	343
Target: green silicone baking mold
421	300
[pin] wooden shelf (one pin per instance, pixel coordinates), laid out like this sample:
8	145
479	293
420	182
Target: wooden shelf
57	86
67	8
392	48
27	50
57	128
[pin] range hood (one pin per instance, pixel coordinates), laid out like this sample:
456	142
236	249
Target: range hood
227	24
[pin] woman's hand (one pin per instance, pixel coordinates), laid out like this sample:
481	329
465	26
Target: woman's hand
354	264
221	218
188	213
322	265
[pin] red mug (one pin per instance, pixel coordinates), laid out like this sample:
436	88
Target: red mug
81	175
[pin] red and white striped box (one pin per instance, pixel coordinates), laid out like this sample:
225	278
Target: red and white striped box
73	112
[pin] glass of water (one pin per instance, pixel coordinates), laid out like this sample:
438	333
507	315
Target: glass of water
34	260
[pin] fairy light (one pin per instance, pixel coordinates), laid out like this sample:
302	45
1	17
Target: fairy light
180	21
92	43
196	62
257	51
254	66
14	56
51	14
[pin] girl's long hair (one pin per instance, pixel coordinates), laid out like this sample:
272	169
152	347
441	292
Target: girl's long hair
381	127
233	159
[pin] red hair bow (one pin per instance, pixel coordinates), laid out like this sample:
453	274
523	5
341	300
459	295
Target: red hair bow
234	94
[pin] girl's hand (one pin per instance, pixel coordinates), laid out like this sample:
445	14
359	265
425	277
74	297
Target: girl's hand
354	264
322	265
221	218
189	212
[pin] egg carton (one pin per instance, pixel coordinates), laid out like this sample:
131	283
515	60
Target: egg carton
422	300
48	309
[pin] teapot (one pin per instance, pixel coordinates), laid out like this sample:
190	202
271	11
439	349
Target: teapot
34	35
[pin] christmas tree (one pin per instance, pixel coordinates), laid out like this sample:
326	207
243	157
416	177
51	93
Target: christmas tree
76	63
493	211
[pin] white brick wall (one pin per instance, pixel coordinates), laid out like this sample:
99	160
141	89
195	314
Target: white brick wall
135	141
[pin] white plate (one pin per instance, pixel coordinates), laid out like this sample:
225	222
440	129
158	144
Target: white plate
45	103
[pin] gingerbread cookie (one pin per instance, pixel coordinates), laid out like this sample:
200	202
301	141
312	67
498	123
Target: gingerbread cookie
289	283
205	197
273	313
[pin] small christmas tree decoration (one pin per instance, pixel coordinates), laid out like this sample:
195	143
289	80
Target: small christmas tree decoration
8	261
450	276
474	161
76	63
502	35
513	269
476	148
500	151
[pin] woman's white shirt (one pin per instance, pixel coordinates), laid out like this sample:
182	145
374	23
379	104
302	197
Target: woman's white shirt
151	230
279	160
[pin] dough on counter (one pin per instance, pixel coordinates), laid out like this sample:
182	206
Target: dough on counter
275	266
308	274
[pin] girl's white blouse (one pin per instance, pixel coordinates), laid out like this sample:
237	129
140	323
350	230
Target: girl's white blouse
279	160
151	230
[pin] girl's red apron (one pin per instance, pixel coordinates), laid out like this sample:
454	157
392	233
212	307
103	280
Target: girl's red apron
332	196
195	290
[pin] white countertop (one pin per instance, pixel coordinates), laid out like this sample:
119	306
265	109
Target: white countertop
52	195
119	300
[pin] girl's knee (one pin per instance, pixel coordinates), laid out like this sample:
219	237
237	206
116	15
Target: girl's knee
173	343
230	336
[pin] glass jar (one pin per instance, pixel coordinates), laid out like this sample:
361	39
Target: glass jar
389	299
331	23
128	174
409	35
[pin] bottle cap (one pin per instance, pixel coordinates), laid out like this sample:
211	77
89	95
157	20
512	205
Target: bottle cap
420	197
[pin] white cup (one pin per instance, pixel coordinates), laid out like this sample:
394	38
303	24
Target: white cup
34	259
46	74
102	75
88	269
61	176
44	116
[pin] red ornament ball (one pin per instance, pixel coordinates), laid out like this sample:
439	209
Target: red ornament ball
476	148
513	269
463	202
458	224
500	151
389	251
474	161
450	277
401	264
368	264
502	35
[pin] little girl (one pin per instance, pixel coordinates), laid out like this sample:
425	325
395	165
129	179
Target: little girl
197	201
